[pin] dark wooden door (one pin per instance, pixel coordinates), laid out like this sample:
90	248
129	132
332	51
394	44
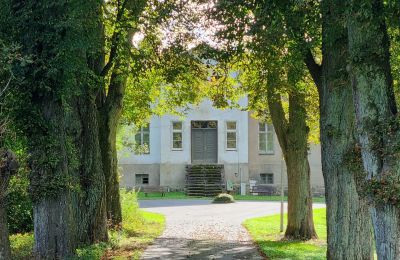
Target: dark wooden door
204	145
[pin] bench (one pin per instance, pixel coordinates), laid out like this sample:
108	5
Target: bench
263	189
153	189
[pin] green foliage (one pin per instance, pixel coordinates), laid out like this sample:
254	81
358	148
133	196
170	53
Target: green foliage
224	198
19	205
265	231
21	246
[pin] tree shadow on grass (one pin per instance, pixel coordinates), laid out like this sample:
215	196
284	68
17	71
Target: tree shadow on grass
179	248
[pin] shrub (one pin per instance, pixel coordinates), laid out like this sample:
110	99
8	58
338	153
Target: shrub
223	198
19	205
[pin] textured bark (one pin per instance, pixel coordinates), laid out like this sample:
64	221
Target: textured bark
53	217
292	138
54	229
110	113
376	112
348	222
92	206
8	166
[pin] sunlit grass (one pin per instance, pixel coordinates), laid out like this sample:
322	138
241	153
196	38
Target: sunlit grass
265	231
182	195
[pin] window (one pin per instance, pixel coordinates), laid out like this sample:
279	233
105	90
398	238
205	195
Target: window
142	140
267	178
230	135
141	179
265	138
177	136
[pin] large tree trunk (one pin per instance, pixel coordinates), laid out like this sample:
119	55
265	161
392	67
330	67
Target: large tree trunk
8	166
300	217
53	217
110	114
92	207
377	120
292	138
348	221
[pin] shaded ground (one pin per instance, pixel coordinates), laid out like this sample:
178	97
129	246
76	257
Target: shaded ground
198	229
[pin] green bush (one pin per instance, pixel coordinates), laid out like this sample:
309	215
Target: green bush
223	198
19	205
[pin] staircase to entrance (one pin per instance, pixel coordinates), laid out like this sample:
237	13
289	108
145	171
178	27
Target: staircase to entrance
204	179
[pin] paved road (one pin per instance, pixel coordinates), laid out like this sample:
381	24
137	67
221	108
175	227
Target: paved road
198	229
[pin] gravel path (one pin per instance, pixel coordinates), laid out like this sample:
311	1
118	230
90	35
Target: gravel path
198	229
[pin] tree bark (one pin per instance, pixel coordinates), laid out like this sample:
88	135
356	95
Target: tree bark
53	217
376	118
92	207
110	113
348	222
8	167
292	138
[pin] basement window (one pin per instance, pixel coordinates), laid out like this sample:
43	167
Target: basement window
141	179
267	178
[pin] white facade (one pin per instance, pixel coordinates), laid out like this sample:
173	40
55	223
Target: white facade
165	165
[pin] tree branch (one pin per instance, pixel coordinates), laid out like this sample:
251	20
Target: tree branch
277	115
314	69
114	40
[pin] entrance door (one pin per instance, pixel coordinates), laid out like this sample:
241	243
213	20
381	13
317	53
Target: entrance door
204	142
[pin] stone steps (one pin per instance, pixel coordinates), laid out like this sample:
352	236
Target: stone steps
204	179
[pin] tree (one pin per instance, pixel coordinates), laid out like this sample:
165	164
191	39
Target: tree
53	107
377	119
349	226
298	25
259	35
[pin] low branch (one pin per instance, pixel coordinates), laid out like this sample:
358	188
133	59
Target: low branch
314	68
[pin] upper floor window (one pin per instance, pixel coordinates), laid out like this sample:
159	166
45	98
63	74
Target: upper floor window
177	143
265	138
267	178
142	140
231	136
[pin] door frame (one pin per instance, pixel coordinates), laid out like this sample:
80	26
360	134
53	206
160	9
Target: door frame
191	133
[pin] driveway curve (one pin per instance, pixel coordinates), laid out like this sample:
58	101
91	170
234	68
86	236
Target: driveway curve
199	229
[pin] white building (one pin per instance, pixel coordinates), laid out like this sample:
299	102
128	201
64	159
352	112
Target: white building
248	149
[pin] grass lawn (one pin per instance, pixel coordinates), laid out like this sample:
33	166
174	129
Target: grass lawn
139	229
265	232
181	195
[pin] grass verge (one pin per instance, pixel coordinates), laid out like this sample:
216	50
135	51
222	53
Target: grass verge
139	229
265	232
182	195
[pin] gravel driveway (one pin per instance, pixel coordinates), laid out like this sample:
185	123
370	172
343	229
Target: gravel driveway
198	229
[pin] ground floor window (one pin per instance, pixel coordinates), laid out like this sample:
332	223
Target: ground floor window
267	178
177	142
142	140
230	135
265	138
141	179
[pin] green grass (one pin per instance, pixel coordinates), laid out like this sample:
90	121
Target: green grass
139	229
182	195
265	231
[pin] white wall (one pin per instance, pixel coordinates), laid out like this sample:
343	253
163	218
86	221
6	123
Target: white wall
161	136
128	157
